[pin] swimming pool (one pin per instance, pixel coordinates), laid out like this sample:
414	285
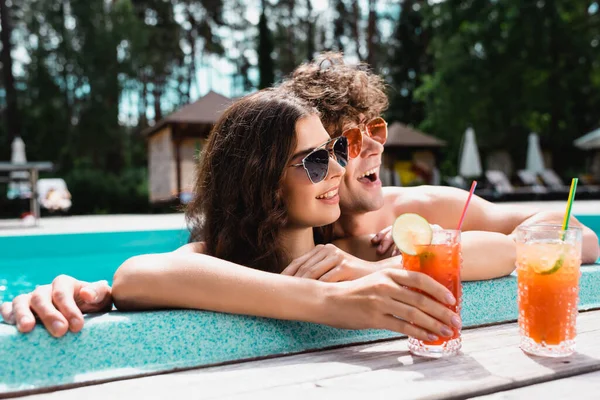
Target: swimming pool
28	261
120	345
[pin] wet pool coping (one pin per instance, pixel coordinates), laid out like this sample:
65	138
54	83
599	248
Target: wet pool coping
117	345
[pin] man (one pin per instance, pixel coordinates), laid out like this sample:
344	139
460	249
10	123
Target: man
347	97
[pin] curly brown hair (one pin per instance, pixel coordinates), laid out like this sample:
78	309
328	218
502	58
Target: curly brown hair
338	90
238	209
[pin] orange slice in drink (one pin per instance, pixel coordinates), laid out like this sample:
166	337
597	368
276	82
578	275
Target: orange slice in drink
410	231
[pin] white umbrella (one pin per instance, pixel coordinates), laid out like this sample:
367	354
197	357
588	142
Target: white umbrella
535	160
470	163
18	189
590	141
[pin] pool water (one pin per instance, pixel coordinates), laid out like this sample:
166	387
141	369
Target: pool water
28	261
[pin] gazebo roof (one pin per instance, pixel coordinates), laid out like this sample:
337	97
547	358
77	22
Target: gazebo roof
206	110
400	135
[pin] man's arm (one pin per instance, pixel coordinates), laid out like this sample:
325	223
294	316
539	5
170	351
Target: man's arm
486	255
443	206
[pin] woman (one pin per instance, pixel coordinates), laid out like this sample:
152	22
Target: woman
267	182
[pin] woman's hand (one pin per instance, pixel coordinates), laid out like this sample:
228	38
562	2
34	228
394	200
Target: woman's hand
60	306
384	300
329	264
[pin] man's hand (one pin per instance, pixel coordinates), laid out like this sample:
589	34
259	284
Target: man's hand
384	300
384	242
60	305
329	264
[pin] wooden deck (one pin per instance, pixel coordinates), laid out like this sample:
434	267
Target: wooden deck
491	366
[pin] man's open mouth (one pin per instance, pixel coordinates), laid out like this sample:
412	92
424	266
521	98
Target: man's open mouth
369	176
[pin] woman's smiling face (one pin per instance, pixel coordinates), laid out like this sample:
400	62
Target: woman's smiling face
311	204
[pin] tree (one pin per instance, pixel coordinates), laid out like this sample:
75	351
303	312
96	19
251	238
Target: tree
202	19
12	108
266	66
340	22
509	68
409	62
310	31
372	35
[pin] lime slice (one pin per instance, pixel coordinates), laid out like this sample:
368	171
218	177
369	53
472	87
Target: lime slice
410	231
549	267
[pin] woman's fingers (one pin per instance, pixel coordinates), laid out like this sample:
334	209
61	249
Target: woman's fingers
323	253
419	318
42	304
422	282
64	290
22	313
7	313
335	274
392	323
429	307
291	269
321	268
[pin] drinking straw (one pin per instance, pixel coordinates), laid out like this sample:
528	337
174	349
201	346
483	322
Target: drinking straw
565	225
464	212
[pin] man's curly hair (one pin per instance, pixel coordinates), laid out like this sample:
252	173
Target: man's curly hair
340	91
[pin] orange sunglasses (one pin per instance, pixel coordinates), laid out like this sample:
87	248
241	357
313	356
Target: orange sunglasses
375	129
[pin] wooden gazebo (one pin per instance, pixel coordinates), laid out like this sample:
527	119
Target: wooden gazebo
405	137
173	145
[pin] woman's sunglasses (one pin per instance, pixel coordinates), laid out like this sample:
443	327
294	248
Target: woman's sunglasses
376	129
316	163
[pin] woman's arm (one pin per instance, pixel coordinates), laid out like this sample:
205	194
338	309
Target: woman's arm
186	279
198	281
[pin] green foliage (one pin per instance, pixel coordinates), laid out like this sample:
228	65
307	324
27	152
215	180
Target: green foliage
409	64
509	68
95	191
97	73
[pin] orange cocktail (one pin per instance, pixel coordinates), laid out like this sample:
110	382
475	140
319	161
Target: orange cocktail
548	261
442	261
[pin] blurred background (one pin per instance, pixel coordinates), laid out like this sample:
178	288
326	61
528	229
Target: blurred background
100	87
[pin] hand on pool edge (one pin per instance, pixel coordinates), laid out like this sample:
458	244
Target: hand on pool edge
59	306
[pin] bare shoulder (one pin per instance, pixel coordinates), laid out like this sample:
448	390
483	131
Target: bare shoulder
442	205
195	247
358	246
418	199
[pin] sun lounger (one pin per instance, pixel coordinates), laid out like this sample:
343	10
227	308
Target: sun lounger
505	189
530	179
554	182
